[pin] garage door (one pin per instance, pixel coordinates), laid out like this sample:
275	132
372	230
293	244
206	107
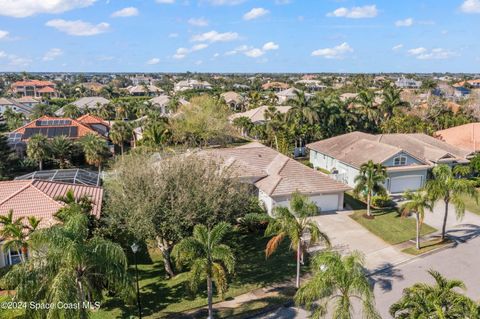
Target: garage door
326	202
401	184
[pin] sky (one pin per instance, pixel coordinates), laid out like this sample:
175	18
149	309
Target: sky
240	36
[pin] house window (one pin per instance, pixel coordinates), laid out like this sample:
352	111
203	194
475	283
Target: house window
13	257
400	161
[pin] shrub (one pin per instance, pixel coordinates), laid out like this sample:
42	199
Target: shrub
254	222
382	201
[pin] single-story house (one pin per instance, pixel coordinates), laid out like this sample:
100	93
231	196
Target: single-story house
15	106
275	86
407	157
191	85
276	177
86	103
257	115
144	90
466	137
39	198
288	94
234	100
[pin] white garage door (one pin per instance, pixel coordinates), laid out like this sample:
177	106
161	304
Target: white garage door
326	202
401	184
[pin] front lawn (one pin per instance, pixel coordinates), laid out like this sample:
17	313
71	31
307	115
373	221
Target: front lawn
167	298
426	246
390	226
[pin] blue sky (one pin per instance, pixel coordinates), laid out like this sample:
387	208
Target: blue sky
240	35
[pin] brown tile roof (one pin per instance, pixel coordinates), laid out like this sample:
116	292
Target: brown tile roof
466	137
46	89
38	198
33	83
274	173
92	119
277	85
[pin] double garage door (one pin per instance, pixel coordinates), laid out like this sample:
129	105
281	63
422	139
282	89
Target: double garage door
403	183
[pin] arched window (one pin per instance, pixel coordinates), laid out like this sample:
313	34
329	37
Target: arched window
400	161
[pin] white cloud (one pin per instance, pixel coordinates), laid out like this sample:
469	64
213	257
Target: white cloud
337	52
198	62
153	61
183	52
255	13
52	54
397	47
433	54
408	22
198	22
270	46
282	2
417	51
165	1
254	53
3	34
125	12
214	36
2	54
355	12
216	55
470	6
26	8
78	27
198	47
173	35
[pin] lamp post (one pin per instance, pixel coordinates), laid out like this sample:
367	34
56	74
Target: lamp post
135	249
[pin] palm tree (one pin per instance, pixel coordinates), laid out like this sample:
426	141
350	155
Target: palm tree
69	266
155	134
370	181
71	111
208	257
416	203
301	109
121	111
120	133
444	186
244	124
335	282
441	300
16	234
61	148
254	100
95	149
293	223
38	149
391	101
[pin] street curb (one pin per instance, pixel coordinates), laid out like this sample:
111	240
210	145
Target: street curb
428	253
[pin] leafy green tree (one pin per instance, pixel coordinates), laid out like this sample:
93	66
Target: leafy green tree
61	148
293	223
475	164
120	133
208	258
68	266
441	300
416	203
38	149
6	154
95	150
337	281
445	187
13	119
71	111
370	181
40	110
244	124
155	134
391	101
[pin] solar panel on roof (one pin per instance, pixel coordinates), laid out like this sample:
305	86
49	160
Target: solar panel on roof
73	131
53	122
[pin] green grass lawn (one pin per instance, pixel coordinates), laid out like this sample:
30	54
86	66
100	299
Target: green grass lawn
167	298
471	205
426	246
390	226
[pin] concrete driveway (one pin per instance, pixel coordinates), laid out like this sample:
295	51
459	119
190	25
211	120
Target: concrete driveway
435	219
347	235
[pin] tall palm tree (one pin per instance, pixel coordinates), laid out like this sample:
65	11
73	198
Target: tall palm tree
244	124
417	203
71	111
365	102
120	133
391	101
441	300
69	266
208	258
302	109
16	235
61	148
445	187
335	282
121	110
155	134
254	99
95	150
370	181
38	149
293	223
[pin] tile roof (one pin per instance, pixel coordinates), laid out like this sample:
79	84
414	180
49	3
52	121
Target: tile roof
258	114
466	137
274	173
33	83
89	119
357	148
38	198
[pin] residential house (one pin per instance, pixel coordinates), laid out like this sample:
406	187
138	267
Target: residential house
86	103
191	85
405	83
276	177
312	85
275	86
466	137
288	94
34	88
407	157
140	80
39	198
235	101
14	106
144	90
27	101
